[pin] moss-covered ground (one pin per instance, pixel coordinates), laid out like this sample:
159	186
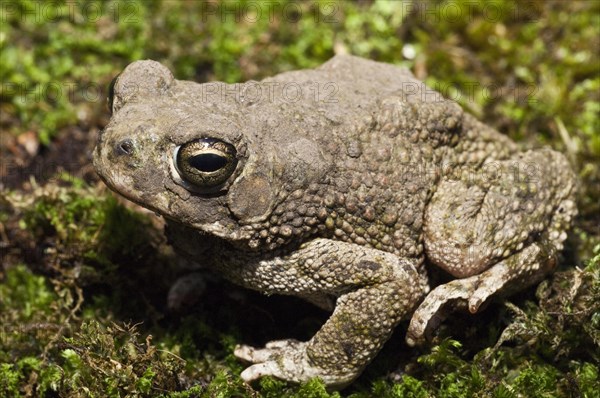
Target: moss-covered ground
84	275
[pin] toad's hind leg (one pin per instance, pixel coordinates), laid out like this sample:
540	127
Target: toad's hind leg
518	271
499	231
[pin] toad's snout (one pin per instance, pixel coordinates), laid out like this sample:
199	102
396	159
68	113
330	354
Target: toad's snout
115	159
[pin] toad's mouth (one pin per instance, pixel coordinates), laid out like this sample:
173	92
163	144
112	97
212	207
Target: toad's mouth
119	189
160	205
122	184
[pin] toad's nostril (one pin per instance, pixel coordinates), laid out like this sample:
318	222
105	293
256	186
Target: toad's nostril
124	147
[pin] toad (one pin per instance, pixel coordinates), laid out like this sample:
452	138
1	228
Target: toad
344	185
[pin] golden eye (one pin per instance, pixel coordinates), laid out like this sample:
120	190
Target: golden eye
206	162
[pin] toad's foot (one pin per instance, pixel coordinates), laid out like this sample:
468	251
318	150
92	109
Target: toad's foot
534	262
442	301
284	359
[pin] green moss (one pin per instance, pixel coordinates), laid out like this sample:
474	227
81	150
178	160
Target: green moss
588	380
94	228
409	388
539	379
116	360
27	293
51	64
10	379
12	376
31	315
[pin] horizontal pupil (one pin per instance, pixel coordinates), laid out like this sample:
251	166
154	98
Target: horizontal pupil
207	162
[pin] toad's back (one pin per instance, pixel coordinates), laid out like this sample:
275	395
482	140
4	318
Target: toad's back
386	139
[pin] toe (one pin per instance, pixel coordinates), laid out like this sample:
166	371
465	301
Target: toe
251	354
243	352
260	370
432	310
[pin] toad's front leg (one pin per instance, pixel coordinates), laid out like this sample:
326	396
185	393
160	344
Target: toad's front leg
375	291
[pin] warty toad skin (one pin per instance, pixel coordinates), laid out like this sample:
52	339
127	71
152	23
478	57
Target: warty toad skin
343	185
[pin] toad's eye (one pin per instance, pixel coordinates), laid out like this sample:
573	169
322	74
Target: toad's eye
206	162
111	94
